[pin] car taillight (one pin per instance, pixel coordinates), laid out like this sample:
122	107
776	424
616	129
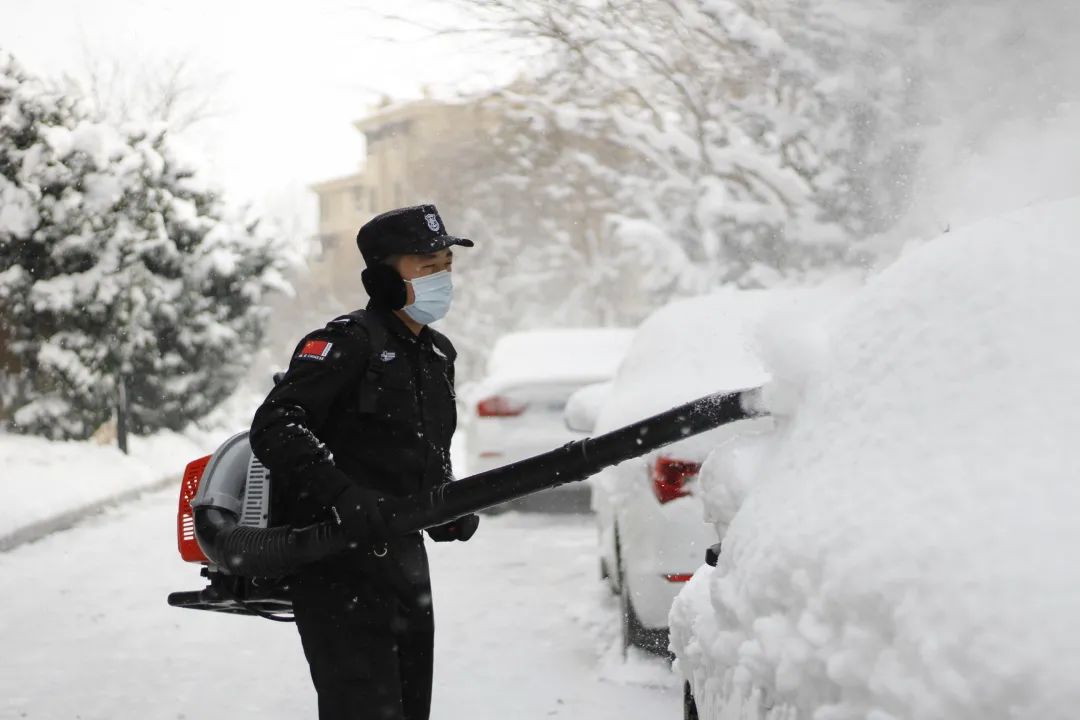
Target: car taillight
669	478
499	406
678	577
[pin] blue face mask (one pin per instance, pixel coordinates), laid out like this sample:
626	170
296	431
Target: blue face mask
433	295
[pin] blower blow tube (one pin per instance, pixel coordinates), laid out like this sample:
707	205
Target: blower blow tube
279	551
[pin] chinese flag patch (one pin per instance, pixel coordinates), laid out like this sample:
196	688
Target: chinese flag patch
315	350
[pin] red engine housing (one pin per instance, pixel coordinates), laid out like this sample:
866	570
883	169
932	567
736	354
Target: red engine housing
185	517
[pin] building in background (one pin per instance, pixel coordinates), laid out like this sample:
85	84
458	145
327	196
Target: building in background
402	143
343	208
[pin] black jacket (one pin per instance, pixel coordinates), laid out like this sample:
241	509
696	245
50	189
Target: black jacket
364	401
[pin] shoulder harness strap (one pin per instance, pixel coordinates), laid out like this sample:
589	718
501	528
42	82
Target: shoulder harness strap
376	335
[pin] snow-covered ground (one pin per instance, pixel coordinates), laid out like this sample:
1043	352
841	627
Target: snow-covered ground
902	546
524	630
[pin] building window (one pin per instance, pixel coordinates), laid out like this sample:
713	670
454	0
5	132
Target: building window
358	198
374	200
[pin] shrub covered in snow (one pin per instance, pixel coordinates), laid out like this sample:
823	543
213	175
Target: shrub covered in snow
115	262
736	141
904	549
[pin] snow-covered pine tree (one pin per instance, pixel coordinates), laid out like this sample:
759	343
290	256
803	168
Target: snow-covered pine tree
229	264
115	263
215	270
56	202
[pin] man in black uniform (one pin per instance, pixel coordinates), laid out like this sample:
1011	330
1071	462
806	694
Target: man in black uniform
366	412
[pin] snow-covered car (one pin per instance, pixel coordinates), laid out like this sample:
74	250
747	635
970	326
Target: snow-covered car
516	411
902	543
652	531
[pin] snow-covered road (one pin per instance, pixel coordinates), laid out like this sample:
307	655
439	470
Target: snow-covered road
524	630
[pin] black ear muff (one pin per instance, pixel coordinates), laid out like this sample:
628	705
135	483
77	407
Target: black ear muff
384	286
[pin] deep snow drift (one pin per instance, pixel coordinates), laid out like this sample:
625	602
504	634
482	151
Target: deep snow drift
905	547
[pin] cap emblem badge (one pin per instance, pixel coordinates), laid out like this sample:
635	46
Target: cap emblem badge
432	221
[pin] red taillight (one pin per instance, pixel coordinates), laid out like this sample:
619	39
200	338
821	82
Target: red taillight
679	577
499	406
669	478
185	517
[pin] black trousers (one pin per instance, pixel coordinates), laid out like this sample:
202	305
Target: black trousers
367	627
363	672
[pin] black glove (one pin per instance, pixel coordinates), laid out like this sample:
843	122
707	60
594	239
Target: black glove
461	529
357	511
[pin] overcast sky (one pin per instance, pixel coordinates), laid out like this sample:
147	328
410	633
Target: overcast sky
291	75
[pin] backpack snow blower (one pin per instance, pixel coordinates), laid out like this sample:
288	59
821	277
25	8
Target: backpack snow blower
224	518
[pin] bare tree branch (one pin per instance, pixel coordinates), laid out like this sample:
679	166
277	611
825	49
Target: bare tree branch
170	91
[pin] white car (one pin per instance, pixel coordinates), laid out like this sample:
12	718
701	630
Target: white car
516	411
652	528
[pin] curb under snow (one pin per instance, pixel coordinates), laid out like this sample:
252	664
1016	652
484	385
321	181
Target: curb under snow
74	516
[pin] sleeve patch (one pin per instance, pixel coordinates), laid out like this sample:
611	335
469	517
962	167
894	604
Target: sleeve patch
315	350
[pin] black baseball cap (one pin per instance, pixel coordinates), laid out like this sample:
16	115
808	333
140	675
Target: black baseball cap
416	230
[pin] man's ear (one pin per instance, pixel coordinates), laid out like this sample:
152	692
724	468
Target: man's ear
385	286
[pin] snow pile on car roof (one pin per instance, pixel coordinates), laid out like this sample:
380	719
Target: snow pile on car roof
701	345
908	548
563	355
686	349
